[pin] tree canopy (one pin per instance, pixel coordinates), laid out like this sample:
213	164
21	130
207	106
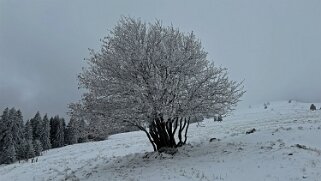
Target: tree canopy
147	72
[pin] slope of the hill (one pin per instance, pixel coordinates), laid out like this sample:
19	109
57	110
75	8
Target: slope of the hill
285	146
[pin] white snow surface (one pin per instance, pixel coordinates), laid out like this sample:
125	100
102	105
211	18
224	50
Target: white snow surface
270	153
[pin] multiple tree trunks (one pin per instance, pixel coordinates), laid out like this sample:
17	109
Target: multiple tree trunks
161	133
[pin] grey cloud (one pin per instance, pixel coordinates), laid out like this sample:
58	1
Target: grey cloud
273	45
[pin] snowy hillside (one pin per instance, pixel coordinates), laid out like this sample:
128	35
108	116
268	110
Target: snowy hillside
285	146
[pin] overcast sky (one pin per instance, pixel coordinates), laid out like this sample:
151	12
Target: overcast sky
275	45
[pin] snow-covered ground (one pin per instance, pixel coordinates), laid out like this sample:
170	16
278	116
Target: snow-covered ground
285	146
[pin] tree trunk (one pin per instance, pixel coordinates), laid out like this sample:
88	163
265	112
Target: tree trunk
163	132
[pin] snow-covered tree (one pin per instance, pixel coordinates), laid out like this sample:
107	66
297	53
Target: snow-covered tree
71	133
45	136
70	136
7	144
4	125
21	150
18	132
8	154
38	147
53	127
57	127
149	74
29	150
80	129
37	128
4	119
28	131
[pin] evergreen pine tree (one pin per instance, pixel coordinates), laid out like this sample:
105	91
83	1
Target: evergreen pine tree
53	126
7	145
38	147
45	137
70	133
37	133
9	152
18	132
29	150
4	123
36	126
22	150
28	131
3	130
29	147
57	127
61	132
53	130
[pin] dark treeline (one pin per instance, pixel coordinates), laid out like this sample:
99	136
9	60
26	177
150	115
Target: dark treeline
24	141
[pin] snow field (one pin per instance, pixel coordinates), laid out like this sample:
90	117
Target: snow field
285	146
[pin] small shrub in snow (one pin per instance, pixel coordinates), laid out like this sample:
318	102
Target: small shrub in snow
312	107
214	139
219	118
251	131
265	106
